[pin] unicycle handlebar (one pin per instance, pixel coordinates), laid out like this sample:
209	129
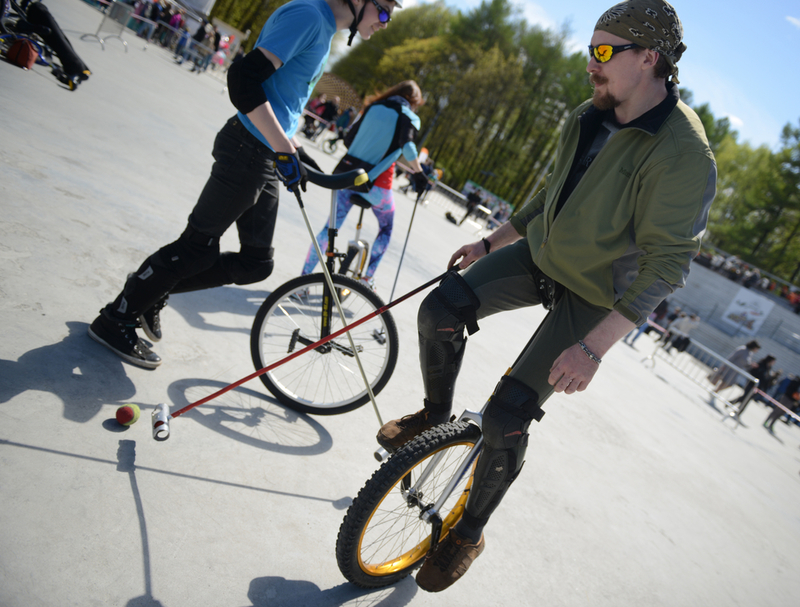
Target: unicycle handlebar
340	181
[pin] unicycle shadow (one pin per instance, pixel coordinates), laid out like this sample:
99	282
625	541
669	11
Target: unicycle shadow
280	592
250	417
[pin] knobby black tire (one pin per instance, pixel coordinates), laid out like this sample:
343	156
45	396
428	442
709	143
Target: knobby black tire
325	381
380	519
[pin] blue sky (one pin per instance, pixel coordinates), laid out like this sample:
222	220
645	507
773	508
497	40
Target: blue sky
741	57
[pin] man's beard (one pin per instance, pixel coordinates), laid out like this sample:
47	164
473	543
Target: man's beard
602	101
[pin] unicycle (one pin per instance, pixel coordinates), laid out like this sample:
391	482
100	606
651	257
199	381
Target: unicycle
410	504
326	381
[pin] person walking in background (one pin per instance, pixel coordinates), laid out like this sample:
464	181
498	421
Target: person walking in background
762	372
789	399
474	199
741	357
386	130
678	332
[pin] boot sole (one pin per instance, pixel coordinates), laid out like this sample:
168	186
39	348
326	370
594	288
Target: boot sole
145	364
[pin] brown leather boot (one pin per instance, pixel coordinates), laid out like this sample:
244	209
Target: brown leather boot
449	561
398	432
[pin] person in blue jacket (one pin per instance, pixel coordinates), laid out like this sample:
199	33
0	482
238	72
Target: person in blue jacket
385	131
269	87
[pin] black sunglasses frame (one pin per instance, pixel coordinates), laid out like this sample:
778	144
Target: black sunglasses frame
614	50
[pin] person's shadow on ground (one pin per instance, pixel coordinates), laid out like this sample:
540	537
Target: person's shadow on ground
195	306
70	370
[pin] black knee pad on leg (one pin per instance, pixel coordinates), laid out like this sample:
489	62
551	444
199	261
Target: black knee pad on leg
505	433
250	265
246	267
448	309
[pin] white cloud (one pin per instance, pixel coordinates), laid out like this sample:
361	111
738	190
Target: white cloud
794	21
736	122
534	14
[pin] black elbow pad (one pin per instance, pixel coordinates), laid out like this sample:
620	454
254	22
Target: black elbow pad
245	78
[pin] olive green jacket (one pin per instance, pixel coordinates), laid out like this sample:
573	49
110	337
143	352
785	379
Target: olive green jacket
627	233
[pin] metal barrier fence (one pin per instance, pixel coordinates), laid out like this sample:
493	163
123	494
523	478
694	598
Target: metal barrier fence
114	21
703	367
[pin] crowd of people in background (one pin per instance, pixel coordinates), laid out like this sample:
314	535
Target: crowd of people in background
750	277
167	25
673	329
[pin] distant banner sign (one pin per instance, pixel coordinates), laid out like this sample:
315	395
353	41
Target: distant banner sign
748	311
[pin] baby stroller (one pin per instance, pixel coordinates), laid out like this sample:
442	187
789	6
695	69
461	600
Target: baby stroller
31	21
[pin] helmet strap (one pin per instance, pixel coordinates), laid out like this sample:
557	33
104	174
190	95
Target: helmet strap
356	20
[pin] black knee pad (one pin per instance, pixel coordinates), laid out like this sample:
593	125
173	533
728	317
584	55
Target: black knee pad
447	310
193	252
440	321
505	423
248	266
510	411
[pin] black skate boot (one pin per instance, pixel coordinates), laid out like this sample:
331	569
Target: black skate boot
151	320
120	337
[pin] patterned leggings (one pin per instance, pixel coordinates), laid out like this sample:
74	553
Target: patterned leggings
382	201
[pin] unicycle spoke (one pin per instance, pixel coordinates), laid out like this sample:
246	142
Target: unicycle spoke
325	380
384	535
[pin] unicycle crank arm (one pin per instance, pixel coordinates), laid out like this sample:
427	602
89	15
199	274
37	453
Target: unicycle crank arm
324	348
305	341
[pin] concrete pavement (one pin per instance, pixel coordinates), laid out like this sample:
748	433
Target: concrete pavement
634	492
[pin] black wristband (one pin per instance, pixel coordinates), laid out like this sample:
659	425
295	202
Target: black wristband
487	244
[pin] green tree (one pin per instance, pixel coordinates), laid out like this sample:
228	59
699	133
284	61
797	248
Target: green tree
717	129
246	15
756	214
497	90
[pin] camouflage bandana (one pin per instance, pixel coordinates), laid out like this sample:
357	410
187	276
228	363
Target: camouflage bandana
653	24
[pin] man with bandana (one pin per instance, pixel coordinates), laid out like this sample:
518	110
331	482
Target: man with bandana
610	235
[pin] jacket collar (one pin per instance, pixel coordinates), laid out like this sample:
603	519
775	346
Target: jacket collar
649	122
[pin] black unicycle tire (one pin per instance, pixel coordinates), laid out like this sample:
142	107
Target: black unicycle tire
348	259
380	501
323	382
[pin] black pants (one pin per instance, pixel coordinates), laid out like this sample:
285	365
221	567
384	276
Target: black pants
242	188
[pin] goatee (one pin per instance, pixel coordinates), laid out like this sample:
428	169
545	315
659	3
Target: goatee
602	101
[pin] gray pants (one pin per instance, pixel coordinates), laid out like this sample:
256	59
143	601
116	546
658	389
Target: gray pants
507	280
504	280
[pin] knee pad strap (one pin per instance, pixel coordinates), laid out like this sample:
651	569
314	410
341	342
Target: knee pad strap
458	299
447	309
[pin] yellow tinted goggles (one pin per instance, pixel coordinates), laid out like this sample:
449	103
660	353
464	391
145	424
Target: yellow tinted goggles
603	52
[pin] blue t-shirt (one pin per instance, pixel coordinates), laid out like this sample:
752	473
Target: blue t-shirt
299	34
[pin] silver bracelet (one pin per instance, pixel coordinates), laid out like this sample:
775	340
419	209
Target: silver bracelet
588	352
